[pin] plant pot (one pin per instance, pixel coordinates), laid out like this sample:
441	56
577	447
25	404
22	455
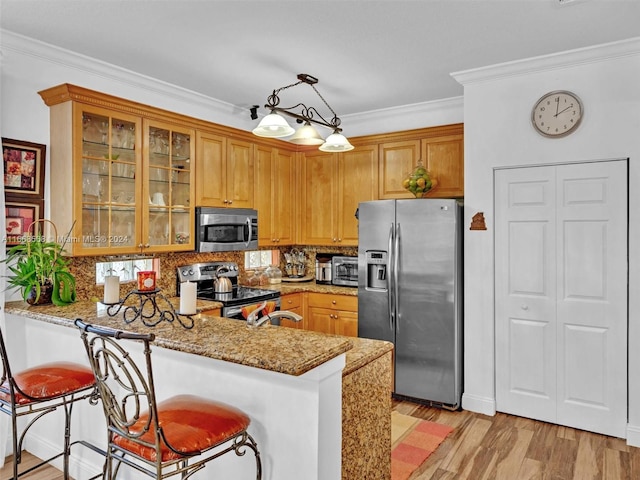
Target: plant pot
45	295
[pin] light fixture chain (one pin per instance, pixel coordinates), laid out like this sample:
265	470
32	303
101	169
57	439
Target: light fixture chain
288	86
325	102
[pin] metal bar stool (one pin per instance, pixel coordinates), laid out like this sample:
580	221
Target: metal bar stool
158	439
38	391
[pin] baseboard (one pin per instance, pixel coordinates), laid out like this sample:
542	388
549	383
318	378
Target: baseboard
633	435
478	404
83	462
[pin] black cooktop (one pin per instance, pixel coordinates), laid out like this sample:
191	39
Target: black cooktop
239	295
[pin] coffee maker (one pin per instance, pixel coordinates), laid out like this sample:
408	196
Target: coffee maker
323	268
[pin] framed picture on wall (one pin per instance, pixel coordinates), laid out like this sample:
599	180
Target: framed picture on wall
19	217
23	167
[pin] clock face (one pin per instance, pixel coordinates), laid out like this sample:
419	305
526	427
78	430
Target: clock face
557	114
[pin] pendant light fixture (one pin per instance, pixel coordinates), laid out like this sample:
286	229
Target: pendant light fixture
274	125
307	135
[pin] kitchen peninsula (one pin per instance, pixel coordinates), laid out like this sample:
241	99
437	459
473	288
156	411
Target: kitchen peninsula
303	390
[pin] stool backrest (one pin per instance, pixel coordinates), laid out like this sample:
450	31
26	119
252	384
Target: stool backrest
6	368
126	389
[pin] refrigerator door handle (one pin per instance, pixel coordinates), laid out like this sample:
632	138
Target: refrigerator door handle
389	283
396	273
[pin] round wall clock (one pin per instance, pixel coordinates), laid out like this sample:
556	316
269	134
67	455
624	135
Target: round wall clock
557	113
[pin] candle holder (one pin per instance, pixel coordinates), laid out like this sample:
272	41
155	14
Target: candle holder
153	315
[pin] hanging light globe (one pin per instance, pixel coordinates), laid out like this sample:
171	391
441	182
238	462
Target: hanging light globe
336	142
307	135
273	126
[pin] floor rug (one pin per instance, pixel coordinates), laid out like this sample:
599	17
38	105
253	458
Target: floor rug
412	441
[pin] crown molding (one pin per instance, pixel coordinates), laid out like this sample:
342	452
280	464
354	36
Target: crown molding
22	45
405	117
581	56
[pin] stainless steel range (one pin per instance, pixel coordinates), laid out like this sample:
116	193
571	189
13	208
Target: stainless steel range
205	275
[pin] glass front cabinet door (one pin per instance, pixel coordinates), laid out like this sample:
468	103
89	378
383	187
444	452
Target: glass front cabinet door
167	189
110	174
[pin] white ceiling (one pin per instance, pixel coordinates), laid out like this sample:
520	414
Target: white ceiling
368	55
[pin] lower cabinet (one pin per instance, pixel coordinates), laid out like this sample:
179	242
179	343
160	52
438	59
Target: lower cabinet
320	312
293	303
329	313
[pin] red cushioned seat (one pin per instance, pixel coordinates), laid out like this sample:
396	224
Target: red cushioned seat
190	424
47	381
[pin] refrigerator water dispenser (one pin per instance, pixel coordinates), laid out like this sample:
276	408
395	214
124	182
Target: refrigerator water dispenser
376	270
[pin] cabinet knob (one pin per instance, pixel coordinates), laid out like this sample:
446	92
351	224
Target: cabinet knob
146	245
333	301
524	307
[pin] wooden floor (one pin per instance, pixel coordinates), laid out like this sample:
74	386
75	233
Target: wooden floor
502	447
45	473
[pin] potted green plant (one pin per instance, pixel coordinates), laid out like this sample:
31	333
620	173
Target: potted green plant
40	270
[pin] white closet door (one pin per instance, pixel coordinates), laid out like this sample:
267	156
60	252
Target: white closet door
592	296
525	236
561	294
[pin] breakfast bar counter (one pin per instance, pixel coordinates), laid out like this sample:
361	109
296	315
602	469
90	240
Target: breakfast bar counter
304	391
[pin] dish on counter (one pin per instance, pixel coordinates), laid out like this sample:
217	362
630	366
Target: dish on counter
308	278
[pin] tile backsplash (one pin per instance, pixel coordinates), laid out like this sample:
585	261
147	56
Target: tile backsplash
84	268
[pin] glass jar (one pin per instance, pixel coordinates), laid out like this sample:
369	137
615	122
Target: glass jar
261	276
252	278
274	274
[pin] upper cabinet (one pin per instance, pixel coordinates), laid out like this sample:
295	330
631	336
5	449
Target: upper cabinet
444	159
120	182
397	159
167	187
441	151
126	177
274	195
332	186
225	171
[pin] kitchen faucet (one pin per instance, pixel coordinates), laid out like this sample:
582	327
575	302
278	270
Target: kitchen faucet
253	320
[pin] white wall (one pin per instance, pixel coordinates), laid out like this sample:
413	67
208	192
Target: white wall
498	132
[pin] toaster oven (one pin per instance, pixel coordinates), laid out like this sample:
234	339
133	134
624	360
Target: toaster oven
344	271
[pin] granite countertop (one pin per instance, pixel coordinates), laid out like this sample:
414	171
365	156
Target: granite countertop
279	349
311	286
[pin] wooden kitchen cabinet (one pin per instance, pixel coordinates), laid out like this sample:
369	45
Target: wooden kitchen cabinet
332	186
216	312
120	183
330	313
293	302
441	150
443	158
275	196
225	171
397	159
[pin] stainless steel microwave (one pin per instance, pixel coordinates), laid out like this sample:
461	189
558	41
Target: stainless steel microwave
226	229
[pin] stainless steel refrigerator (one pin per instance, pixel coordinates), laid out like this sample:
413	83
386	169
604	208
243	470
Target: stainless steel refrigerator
410	292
